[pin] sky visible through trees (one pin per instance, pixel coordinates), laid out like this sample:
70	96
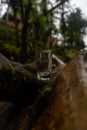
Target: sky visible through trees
81	3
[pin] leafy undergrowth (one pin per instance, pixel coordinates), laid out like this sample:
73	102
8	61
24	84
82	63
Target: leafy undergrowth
64	53
10	51
7	33
8	42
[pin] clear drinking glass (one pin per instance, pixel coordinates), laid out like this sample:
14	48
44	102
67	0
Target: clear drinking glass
44	64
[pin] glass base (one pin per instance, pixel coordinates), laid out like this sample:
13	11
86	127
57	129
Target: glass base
44	75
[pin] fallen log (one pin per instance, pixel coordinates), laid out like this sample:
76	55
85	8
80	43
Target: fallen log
16	83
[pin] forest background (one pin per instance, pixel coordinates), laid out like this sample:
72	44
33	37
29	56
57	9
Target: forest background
56	25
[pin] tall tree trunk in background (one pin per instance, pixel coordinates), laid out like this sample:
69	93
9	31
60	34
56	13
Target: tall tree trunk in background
25	16
63	24
7	17
24	43
16	27
63	21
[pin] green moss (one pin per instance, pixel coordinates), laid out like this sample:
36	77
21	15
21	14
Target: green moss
46	91
64	53
12	68
12	49
70	53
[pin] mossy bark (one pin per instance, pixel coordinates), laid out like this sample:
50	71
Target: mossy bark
16	83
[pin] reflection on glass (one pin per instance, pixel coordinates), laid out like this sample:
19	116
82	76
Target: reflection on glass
44	64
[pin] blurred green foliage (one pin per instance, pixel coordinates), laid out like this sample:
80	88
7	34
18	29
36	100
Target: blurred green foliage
7	33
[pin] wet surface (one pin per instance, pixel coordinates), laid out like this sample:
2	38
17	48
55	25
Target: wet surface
68	107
